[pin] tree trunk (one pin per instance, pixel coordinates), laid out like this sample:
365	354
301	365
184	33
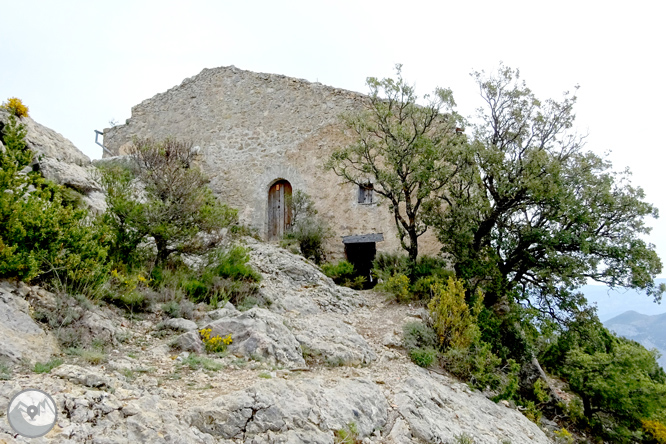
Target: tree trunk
162	250
413	254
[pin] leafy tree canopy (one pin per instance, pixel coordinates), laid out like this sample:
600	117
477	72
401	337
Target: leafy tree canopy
534	215
405	148
164	195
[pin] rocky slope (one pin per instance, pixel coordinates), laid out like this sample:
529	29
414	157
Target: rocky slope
321	358
318	359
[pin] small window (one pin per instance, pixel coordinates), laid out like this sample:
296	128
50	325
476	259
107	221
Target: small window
365	192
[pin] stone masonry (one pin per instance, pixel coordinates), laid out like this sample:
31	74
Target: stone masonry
255	129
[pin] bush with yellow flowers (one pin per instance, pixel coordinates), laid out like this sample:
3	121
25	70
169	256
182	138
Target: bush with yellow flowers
655	431
15	106
216	344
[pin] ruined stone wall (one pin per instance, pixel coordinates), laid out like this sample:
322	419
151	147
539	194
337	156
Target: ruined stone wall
255	129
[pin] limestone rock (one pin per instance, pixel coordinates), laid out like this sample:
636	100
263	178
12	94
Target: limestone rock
60	161
438	409
96	201
45	142
179	324
22	337
227	310
82	376
69	174
307	410
190	341
294	284
259	333
332	341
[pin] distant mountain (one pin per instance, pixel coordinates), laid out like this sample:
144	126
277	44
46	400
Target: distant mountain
650	331
611	303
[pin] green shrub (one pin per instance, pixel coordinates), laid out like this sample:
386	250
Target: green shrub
126	290
344	273
421	276
47	366
397	286
614	403
233	264
215	344
16	107
195	362
463	438
563	436
423	357
42	239
5	372
225	276
417	334
183	308
94	357
195	289
476	364
307	228
348	435
422	288
339	271
454	322
386	265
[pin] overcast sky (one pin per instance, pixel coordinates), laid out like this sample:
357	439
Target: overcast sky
80	64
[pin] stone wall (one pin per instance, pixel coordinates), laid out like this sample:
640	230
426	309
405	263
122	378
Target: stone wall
255	129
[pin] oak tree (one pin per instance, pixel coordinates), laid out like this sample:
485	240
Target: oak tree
163	195
405	148
536	216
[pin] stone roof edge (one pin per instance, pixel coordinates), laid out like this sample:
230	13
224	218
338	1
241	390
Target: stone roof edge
260	75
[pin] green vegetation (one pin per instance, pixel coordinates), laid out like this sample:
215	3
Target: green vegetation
43	238
394	272
408	149
215	344
47	366
343	273
348	435
619	382
308	229
463	438
195	362
176	206
5	372
525	216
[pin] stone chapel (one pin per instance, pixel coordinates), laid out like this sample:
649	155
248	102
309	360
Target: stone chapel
261	137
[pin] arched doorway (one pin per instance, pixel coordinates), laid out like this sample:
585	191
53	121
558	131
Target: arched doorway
279	212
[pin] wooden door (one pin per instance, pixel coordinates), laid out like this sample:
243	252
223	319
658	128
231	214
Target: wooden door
279	213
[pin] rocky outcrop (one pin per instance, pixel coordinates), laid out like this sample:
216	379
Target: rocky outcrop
436	408
58	160
49	144
259	334
21	339
325	339
308	410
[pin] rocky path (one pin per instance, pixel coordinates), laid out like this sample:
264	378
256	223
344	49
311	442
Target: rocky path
320	359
